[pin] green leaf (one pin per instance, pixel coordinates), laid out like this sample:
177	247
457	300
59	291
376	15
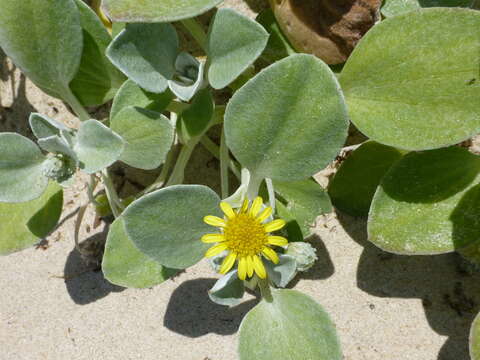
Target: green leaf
97	146
195	120
42	126
283	272
230	53
354	184
397	7
167	224
146	53
130	94
289	121
44	39
22	175
97	80
290	327
123	264
411	99
474	340
427	203
228	290
189	77
155	10
148	137
56	145
24	224
278	45
301	203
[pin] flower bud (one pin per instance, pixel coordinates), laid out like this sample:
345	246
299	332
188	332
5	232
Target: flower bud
304	254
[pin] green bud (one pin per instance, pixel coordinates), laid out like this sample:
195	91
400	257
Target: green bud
304	254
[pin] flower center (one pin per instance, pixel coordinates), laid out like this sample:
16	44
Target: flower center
244	235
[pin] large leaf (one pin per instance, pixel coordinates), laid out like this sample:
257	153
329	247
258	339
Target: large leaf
167	224
231	52
475	339
130	94
97	146
156	10
97	80
423	93
397	7
123	264
292	326
301	203
146	53
22	175
354	184
148	137
427	203
23	224
44	39
289	121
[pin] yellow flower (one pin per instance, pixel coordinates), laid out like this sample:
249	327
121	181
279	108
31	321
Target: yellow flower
245	237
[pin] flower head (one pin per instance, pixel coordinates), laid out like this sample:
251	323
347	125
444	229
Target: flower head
246	238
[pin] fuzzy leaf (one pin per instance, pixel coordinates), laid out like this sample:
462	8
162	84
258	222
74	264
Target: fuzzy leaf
188	78
42	126
283	272
397	7
228	290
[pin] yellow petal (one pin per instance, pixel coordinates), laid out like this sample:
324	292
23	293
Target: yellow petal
264	214
214	221
227	209
256	206
244	206
277	240
228	263
242	268
270	254
259	268
213	238
249	266
216	249
274	225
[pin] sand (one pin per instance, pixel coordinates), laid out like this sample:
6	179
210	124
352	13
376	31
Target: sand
54	306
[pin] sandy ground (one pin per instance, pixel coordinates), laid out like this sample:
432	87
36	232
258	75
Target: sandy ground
53	306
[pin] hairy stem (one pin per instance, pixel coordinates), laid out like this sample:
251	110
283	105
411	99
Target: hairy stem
224	161
75	104
265	290
197	32
112	196
214	149
271	193
178	172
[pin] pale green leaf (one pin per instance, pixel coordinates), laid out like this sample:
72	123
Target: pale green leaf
283	272
42	126
228	290
189	76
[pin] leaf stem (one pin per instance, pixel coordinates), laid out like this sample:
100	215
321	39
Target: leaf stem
112	196
178	172
271	193
215	151
224	162
160	180
265	290
75	104
197	32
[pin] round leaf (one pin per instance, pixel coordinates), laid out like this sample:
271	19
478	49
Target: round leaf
123	264
24	224
231	52
21	169
427	203
475	339
146	53
292	326
289	121
167	224
156	10
423	93
44	39
148	137
354	184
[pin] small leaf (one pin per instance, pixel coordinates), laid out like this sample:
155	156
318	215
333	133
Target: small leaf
123	264
474	340
44	39
195	120
42	126
24	224
283	272
22	175
189	77
292	326
396	7
230	53
289	121
148	137
97	80
130	94
146	53
304	201
167	224
354	184
427	203
155	10
56	145
228	290
97	146
410	100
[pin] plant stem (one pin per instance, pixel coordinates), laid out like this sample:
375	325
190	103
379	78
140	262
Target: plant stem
178	172
160	180
197	32
112	196
215	151
91	185
265	290
77	107
78	223
253	186
224	161
271	193
177	106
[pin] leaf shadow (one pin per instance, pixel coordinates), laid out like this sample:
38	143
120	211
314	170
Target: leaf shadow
190	311
449	292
